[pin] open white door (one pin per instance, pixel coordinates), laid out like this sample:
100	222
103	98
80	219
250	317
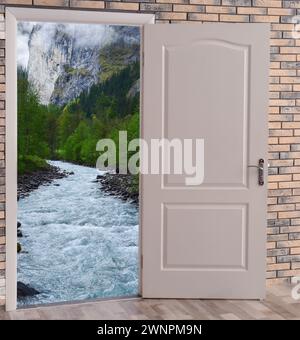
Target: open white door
207	81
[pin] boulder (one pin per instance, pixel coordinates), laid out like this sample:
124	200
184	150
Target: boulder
24	290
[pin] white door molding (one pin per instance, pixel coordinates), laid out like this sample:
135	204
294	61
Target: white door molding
13	15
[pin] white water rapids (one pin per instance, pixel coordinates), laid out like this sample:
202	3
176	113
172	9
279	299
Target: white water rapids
78	242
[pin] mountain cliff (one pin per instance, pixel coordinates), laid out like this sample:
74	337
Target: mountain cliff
65	60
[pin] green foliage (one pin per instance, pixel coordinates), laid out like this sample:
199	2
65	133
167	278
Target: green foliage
114	58
72	147
134	189
76	71
110	99
31	120
100	113
35	139
52	115
68	121
28	164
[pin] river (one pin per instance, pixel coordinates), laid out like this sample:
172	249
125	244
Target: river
78	242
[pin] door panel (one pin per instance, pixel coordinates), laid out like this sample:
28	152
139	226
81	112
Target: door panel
220	227
206	81
211	64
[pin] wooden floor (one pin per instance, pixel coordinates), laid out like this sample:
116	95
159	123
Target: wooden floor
278	305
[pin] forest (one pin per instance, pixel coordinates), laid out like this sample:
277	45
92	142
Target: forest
71	132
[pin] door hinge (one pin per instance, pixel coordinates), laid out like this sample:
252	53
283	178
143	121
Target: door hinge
142	261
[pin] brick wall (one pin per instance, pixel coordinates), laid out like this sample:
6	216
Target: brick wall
283	226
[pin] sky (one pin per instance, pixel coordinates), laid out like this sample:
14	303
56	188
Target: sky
87	35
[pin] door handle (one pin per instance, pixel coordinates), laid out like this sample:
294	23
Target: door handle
260	169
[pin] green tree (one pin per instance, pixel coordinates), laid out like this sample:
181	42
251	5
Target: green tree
73	145
32	127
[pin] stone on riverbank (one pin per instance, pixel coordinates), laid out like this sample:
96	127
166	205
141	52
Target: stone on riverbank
29	182
120	185
19	232
25	290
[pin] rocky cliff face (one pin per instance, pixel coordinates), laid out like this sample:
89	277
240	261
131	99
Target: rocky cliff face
79	72
64	61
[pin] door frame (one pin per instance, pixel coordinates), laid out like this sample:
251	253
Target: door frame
12	15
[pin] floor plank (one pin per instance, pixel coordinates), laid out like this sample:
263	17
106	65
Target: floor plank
278	305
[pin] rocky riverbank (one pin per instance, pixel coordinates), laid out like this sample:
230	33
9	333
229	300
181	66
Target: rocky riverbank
31	181
123	186
26	184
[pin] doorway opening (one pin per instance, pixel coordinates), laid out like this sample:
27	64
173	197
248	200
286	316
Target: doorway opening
77	226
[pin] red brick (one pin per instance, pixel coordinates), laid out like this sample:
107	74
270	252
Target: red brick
54	3
87	4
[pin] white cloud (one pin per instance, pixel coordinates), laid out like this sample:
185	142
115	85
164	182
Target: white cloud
24	29
84	35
